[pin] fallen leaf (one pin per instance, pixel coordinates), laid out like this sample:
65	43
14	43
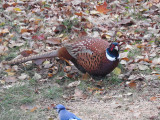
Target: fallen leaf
123	62
53	41
23	76
106	36
4	31
50	75
67	69
70	75
73	84
117	71
142	67
10	72
33	109
38	37
2	81
126	59
79	14
119	34
156	61
37	76
24	30
59	29
124	55
153	98
5	5
85	76
93	12
10	79
26	53
17	9
103	8
131	84
50	119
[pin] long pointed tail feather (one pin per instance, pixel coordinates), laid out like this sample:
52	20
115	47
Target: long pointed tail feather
33	57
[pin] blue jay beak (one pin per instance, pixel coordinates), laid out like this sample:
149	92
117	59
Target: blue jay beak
54	107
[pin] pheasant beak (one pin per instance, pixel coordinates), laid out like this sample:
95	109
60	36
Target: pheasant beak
116	48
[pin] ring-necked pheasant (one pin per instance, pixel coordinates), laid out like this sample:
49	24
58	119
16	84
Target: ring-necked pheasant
92	55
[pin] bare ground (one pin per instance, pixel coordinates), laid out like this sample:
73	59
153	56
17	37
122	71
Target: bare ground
120	104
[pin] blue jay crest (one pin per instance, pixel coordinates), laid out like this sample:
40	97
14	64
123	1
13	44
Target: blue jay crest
64	114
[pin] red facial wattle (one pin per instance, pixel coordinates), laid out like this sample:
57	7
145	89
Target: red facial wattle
112	47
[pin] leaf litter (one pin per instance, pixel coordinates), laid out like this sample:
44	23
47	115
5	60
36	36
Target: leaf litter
43	25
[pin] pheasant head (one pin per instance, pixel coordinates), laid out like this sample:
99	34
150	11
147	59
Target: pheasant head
112	53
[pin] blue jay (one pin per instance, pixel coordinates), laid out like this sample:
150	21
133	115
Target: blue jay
64	114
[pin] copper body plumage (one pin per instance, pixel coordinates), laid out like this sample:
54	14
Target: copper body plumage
87	54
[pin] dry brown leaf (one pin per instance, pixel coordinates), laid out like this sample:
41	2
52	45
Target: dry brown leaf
126	59
26	53
33	109
103	8
70	75
1	40
59	28
54	41
153	98
85	76
132	84
24	30
79	14
50	75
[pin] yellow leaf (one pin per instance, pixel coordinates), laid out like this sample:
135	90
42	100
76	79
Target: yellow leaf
9	72
50	118
11	35
17	9
119	34
1	24
117	71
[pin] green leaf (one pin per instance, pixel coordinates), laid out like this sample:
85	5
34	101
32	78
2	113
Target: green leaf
125	50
